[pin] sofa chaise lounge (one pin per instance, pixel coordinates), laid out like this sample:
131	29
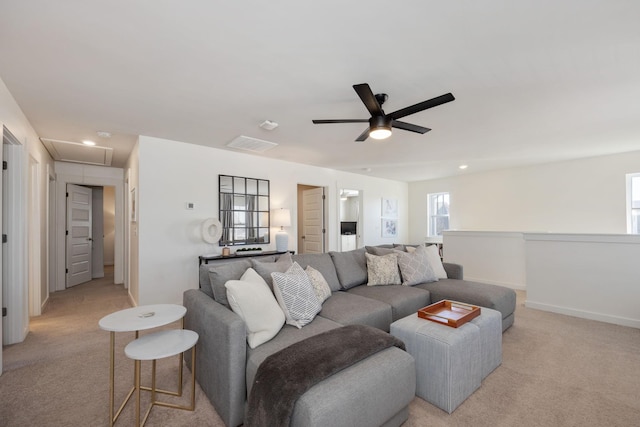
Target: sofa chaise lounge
380	386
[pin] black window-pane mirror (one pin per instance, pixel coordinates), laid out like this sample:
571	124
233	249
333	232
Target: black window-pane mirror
244	210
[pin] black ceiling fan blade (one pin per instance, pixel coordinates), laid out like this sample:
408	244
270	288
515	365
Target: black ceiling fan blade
319	122
369	99
363	136
408	126
434	102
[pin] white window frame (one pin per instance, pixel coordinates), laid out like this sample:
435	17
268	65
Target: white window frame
631	209
431	199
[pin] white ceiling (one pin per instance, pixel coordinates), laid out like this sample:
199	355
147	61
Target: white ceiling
534	81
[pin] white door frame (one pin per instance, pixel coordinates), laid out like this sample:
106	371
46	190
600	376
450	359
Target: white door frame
88	175
34	239
16	324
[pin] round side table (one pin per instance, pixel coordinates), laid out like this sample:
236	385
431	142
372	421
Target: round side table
137	319
159	345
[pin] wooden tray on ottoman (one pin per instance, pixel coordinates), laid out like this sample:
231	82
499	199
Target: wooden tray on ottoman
450	313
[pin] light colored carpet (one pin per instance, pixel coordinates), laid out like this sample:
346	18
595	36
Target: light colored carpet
556	371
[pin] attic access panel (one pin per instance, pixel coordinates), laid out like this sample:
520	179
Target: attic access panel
66	151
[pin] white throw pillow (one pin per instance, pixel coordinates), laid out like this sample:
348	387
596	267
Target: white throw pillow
253	301
383	270
319	283
295	295
433	254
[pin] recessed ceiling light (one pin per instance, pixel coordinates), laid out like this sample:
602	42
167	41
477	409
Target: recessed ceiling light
367	169
463	166
103	134
87	142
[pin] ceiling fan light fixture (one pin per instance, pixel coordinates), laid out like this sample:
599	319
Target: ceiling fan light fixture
379	127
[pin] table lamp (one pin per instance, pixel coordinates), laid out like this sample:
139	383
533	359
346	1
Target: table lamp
281	218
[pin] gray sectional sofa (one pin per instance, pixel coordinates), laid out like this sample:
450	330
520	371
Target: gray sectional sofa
380	387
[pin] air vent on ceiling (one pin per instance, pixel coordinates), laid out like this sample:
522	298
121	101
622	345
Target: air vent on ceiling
251	144
75	152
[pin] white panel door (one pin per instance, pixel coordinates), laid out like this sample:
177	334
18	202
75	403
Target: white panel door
313	221
79	240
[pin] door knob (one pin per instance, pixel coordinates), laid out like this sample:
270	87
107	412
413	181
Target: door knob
89	239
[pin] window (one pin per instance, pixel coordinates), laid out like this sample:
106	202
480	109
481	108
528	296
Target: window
633	203
438	211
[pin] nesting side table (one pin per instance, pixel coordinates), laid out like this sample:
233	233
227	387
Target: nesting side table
159	345
134	320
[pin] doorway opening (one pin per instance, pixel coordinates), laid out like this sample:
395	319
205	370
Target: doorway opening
312	214
351	207
90	225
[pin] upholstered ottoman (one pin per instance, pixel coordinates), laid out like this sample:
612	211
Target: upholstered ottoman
448	362
490	324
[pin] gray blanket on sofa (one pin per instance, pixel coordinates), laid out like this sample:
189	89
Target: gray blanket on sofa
287	374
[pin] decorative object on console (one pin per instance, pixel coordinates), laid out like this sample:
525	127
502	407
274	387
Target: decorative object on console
281	218
211	230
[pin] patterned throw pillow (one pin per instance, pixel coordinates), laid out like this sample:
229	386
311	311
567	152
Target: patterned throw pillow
415	267
320	285
383	270
295	295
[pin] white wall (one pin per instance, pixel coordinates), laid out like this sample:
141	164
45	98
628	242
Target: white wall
579	196
109	202
131	230
590	276
14	119
174	173
489	257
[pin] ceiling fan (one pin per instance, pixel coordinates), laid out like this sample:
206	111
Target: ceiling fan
380	123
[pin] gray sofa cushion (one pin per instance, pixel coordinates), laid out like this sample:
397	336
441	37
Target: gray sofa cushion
482	294
351	309
380	251
203	279
355	398
324	264
351	267
219	273
264	269
287	336
404	300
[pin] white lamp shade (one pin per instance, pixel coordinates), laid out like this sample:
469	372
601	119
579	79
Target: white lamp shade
280	218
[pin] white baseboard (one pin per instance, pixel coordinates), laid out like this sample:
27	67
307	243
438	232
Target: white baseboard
583	314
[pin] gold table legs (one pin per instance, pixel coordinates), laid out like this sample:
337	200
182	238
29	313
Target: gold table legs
113	418
154	402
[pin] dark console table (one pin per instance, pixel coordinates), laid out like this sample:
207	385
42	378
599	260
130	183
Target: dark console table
206	259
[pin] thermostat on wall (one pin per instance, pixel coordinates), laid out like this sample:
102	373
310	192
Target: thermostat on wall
190	205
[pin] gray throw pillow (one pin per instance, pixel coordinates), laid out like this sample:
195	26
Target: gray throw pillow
219	274
415	267
351	267
377	250
323	263
264	269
